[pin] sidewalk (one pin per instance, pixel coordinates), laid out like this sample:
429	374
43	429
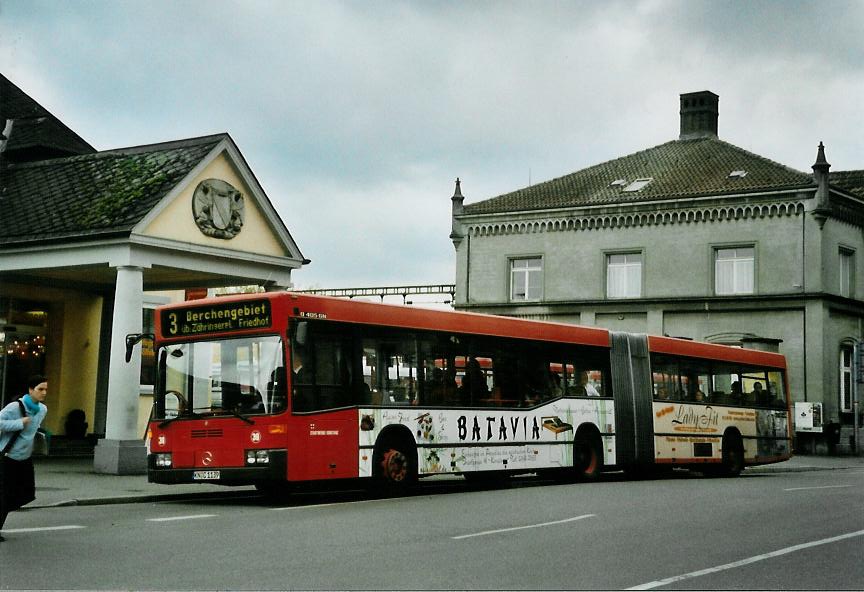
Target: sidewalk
71	481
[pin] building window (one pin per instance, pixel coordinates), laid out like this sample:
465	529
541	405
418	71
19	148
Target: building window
526	279
847	273
846	353
637	185
624	275
734	271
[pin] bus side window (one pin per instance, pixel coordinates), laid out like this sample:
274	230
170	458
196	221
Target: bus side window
277	394
303	391
370	373
667	382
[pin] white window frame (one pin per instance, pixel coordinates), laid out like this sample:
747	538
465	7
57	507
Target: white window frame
637	185
846	376
522	270
847	272
739	263
624	269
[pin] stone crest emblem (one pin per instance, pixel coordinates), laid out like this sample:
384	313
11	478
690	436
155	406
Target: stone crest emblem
218	209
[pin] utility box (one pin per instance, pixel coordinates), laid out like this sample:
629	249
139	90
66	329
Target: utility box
808	417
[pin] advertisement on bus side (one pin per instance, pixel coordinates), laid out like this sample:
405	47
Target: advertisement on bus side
453	441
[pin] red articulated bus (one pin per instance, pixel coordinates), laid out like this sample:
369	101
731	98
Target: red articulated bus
275	388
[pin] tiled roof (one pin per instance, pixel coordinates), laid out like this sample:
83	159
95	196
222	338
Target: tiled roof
34	126
849	181
99	194
678	169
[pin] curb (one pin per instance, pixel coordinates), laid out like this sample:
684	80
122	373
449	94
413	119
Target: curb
804	469
147	498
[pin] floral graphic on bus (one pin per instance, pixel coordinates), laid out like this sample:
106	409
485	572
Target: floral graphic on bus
424	427
433	462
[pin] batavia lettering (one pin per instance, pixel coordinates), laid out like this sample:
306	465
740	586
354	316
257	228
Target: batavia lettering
498	428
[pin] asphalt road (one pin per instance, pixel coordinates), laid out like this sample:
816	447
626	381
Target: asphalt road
759	531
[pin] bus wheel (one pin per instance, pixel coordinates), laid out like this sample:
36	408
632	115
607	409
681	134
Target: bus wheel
587	457
394	466
733	456
395	471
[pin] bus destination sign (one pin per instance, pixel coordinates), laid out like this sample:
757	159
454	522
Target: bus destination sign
217	318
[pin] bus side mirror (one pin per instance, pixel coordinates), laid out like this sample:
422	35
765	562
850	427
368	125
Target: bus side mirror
302	331
132	340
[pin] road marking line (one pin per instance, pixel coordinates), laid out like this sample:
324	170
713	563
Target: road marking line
41	528
748	561
172	518
500	530
817	487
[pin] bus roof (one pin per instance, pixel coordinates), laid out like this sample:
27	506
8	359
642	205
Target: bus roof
312	306
714	351
395	315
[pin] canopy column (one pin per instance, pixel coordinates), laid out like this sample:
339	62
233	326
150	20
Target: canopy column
122	451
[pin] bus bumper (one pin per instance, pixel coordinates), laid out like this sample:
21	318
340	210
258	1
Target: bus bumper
275	470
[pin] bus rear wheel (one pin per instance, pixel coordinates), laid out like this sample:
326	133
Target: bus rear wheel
732	462
587	457
733	456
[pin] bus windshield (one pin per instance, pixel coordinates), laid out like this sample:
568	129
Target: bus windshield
242	376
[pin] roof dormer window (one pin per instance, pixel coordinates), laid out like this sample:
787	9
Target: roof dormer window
638	184
618	183
738	174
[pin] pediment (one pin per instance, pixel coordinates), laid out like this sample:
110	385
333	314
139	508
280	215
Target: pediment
219	205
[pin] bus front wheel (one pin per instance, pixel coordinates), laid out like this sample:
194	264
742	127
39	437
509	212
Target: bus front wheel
395	468
587	457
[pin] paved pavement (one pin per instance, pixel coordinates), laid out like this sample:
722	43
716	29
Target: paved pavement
71	481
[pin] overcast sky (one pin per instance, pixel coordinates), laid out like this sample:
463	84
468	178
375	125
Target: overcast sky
357	117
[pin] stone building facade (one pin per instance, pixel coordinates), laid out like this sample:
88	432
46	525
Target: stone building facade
693	238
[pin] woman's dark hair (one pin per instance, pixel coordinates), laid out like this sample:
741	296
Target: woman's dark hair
35	381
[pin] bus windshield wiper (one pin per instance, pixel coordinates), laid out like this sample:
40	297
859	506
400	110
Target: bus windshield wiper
236	413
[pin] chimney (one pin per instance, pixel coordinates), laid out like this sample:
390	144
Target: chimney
699	111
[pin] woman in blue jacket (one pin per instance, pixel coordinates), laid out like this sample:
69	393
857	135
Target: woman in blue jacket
19	421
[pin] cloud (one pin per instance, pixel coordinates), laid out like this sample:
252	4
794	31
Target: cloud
357	117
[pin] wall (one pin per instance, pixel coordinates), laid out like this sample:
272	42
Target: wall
677	258
79	362
72	348
678	269
176	221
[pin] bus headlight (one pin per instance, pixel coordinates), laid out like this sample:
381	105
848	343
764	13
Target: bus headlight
163	460
257	457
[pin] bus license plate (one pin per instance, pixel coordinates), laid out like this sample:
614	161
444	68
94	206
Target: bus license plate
205	475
